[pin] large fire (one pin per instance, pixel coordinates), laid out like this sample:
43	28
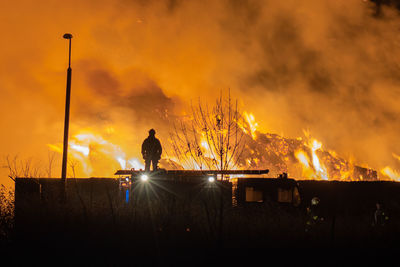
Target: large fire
302	158
328	66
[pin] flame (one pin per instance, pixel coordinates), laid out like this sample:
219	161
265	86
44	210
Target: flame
205	145
307	170
135	163
90	151
396	156
83	149
98	156
56	148
248	125
314	168
345	175
392	174
253	125
319	168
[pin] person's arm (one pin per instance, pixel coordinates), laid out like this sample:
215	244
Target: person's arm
143	149
159	149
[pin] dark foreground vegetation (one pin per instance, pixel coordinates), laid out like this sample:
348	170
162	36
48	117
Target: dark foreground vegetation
97	226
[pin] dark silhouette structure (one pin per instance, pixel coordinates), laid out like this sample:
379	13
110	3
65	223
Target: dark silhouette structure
151	150
97	219
67	36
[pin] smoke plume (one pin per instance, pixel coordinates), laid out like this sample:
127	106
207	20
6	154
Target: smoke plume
329	67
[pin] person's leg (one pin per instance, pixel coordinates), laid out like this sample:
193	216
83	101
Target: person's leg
155	163
147	163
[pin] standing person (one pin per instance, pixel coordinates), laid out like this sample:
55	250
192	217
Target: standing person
380	223
313	215
380	217
151	150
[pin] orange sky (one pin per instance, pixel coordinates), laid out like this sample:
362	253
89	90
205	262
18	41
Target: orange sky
327	66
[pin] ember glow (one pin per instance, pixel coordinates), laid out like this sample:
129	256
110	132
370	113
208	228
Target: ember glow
328	66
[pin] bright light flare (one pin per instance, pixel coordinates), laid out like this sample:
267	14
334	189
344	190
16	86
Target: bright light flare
211	179
144	177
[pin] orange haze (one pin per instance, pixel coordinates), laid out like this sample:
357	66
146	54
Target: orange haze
329	67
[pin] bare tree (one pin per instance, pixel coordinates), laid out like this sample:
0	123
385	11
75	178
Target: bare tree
7	205
51	155
73	164
211	138
26	168
12	166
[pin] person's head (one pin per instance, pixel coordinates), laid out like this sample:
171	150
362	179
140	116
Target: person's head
378	206
152	132
315	201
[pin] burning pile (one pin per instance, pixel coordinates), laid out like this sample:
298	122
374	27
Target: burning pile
303	159
222	138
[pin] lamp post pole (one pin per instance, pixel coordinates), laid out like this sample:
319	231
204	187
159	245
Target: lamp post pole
67	105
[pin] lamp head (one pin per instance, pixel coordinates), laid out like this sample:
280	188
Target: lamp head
67	36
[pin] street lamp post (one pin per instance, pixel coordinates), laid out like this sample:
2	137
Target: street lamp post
67	104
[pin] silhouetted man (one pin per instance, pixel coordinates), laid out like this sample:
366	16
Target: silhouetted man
380	218
151	150
314	217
